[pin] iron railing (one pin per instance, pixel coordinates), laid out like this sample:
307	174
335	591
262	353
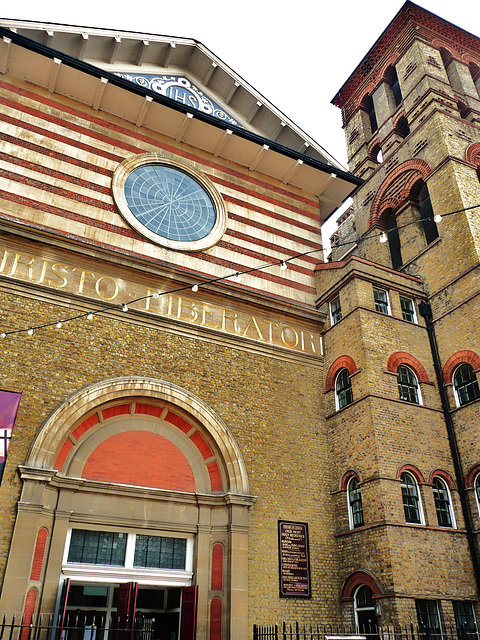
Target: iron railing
297	631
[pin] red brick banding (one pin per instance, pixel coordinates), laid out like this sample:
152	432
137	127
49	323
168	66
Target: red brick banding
342	362
216	619
461	357
28	611
402	357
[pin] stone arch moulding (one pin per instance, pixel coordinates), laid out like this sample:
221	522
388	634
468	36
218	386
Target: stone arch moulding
55	429
461	357
343	362
472	154
358	579
402	357
395	190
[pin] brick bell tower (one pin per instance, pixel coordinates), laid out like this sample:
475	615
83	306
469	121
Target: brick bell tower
402	342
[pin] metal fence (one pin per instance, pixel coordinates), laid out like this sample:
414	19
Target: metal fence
297	631
75	627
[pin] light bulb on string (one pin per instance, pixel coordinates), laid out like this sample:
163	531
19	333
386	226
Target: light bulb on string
59	325
383	237
195	288
90	316
437	218
283	265
155	294
124	307
3	335
30	332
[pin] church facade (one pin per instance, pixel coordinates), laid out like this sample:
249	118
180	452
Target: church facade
216	428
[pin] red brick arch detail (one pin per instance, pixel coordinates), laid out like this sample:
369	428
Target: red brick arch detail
347	476
39	553
439	473
410	468
471	475
390	62
358	579
396	188
402	357
216	619
461	357
343	362
472	154
28	611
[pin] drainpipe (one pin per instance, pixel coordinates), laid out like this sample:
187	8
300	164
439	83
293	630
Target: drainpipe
426	312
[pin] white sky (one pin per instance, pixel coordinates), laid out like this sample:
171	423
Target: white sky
297	53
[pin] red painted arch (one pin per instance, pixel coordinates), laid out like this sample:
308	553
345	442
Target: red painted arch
402	357
358	579
342	362
461	357
396	188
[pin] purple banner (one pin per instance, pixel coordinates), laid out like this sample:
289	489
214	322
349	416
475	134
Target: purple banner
294	560
9	401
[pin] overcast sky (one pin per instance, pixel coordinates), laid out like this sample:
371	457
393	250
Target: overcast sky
297	54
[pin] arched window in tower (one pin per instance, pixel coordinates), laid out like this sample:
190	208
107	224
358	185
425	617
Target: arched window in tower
401	127
408	388
412	506
463	109
465	385
355	508
392	77
426	213
371	114
475	73
443	504
343	389
376	154
394	240
451	72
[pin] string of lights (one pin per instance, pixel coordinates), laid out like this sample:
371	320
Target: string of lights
235	276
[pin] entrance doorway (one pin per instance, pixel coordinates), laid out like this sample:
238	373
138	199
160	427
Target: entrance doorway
365	614
127	611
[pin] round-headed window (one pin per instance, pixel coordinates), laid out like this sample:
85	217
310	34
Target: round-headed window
169	202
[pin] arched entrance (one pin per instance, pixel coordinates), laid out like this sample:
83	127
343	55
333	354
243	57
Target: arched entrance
366	619
141	495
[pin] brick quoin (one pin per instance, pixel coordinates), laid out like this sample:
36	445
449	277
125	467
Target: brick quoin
401	357
38	555
216	619
461	357
342	362
217	567
140	458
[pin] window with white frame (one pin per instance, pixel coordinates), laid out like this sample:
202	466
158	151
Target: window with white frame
443	503
412	505
408	309
355	508
335	310
382	303
428	618
343	389
465	385
408	387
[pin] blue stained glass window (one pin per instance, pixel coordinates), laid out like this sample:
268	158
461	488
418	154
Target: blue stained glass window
169	202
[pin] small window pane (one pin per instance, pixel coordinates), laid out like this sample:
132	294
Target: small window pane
97	547
343	389
411	499
465	620
355	503
407	385
408	309
442	503
159	552
381	300
335	310
428	618
466	384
